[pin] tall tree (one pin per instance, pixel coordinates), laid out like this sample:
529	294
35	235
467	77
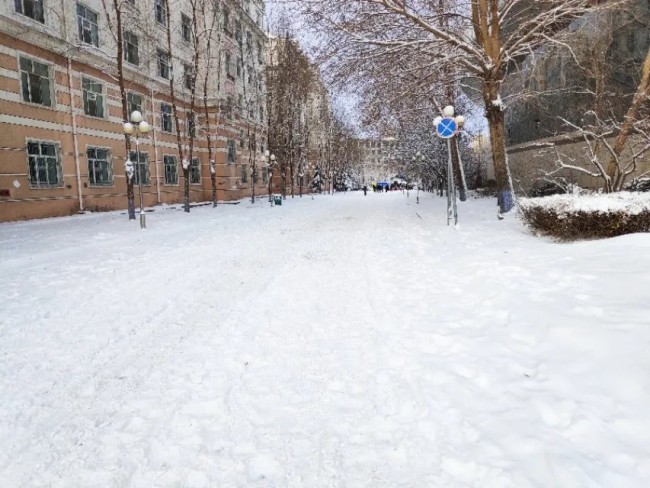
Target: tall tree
481	38
113	12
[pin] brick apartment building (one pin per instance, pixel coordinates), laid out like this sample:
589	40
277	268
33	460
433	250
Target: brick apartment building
62	147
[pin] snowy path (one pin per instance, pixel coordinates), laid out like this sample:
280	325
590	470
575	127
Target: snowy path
337	342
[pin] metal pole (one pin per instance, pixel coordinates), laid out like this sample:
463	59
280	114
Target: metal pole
143	222
450	183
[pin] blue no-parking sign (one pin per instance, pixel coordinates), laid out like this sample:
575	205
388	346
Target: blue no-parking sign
446	128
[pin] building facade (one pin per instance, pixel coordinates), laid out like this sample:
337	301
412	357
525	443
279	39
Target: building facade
62	144
378	156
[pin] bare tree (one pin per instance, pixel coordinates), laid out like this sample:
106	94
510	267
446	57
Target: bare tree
113	14
480	38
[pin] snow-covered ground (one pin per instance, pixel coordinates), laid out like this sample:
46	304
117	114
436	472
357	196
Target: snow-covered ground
343	341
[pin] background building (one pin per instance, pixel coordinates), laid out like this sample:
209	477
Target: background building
378	158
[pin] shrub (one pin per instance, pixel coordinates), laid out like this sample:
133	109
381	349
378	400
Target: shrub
641	184
569	217
546	189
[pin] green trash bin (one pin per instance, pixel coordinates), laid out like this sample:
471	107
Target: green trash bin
278	200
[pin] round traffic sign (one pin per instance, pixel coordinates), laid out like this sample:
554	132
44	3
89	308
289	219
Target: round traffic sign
446	128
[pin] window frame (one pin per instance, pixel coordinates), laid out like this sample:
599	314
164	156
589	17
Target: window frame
163	62
164	115
188	75
58	163
190	124
137	171
94	40
19	7
194	170
85	97
244	172
109	167
166	157
136	47
231	151
50	81
186	28
160	12
129	104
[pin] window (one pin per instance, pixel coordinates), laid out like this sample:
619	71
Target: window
31	8
191	124
195	172
232	151
250	75
131	48
242	141
186	27
141	168
160	7
229	66
87	23
188	76
226	21
166	117
35	81
171	170
249	41
261	114
133	102
238	68
260	57
229	107
44	164
93	97
238	32
244	173
240	103
100	171
265	175
163	64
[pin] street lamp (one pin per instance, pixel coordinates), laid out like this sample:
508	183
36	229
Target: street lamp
270	163
136	128
420	159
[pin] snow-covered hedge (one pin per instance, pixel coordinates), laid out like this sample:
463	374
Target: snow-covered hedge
570	217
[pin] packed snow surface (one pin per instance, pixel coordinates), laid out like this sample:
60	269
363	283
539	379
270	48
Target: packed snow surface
340	341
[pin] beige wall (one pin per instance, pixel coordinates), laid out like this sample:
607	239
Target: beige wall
530	162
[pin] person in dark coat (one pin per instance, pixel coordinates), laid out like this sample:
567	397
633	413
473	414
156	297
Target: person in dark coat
365	190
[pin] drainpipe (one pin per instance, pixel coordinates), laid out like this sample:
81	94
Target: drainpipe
75	139
155	146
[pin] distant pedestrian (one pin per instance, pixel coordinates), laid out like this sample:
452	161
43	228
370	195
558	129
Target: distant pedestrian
365	190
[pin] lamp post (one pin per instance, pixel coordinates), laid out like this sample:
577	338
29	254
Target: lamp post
419	159
270	163
447	127
136	128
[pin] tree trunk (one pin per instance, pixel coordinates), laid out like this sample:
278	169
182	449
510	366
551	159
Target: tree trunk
496	123
186	189
616	176
130	194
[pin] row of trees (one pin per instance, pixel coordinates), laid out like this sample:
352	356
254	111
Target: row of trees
393	51
197	95
314	146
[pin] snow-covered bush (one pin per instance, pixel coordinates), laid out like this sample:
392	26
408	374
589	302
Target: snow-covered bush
572	217
640	184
